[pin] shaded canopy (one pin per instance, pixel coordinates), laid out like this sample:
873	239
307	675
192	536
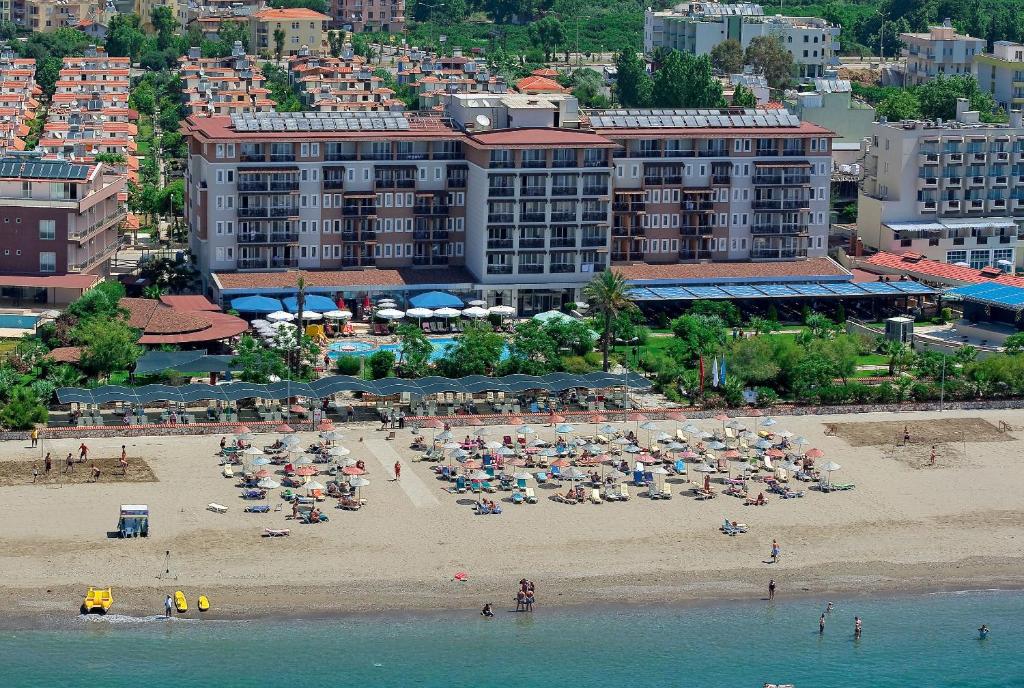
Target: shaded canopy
313	302
255	304
436	299
186	361
328	386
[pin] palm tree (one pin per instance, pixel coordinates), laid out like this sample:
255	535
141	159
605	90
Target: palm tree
608	295
279	38
300	306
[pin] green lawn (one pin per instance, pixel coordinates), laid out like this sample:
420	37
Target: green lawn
873	359
145	136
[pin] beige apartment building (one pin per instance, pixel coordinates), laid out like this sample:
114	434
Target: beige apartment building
302	27
952	192
524	197
942	50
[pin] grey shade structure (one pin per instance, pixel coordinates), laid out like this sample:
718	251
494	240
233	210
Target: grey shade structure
328	386
186	361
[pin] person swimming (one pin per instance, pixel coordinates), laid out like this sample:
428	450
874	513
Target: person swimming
828	609
486	611
983	631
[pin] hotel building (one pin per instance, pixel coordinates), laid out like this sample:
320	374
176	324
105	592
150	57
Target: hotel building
939	51
948	191
521	198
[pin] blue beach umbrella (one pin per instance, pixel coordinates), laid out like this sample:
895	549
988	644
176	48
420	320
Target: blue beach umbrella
255	304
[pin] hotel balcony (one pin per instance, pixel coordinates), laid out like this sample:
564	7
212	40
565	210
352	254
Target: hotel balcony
103	223
268	238
927	206
950	206
928	182
86	264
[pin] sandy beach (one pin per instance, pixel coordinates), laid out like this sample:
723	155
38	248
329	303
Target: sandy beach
906	526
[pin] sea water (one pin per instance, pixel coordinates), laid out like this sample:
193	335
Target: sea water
922	640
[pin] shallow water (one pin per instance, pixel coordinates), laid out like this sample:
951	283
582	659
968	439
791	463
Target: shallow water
924	640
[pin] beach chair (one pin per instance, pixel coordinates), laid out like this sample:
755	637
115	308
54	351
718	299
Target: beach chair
216	508
425	327
227	471
556	473
730	529
638	478
486	486
518	497
623	492
475	486
276	532
841	486
521	483
258	509
349	504
531	496
595	496
541	477
680	467
460	484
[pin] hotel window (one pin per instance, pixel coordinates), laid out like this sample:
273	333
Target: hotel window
980	259
47	230
1002	254
47	261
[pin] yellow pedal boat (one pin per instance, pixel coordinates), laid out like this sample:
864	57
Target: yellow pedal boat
97	600
180	603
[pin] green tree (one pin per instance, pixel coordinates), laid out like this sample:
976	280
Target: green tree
743	97
841	351
769	57
696	336
100	301
899	106
107	345
257	362
633	84
608	295
685	81
23	411
752	360
531	350
124	36
321	6
726	311
900	356
587	85
279	38
381	364
164	24
547	34
727	57
812	373
1015	343
477	351
762	325
414	352
505	11
571	335
938	97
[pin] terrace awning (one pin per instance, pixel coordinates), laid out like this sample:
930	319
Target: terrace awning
313	302
185	361
436	299
328	386
256	304
780	291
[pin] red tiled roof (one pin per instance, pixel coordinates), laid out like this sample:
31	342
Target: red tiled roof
539	83
50	281
163	324
339	279
66	354
290	13
189	303
816	267
914	265
545	71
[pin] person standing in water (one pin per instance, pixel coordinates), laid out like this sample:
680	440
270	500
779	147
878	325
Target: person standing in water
828	609
168	606
821	625
771	589
983	632
857	627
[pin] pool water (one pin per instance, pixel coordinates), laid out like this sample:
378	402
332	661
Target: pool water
18	322
361	348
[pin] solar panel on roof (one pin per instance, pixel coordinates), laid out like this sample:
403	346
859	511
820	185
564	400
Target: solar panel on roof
776	290
708	292
844	288
879	287
810	289
741	291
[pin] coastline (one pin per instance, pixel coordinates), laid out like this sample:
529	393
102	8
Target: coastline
29	608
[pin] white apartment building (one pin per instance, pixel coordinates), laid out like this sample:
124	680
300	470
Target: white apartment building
697	27
940	51
1001	73
952	192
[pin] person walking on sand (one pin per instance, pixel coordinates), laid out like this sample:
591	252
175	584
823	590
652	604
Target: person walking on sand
398	470
906	435
95	473
168	606
124	461
350	413
931	460
47	463
821	624
70	467
858	627
35	472
771	589
35	437
83	453
775	551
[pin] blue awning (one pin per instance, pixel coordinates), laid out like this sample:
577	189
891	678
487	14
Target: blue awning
788	290
436	299
255	304
991	294
315	303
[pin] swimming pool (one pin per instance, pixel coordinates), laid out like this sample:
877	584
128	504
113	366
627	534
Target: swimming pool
18	322
361	348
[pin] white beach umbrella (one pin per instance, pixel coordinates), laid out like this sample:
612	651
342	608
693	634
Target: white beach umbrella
268	484
526	430
622	441
522	476
691	429
311	315
331	435
606	429
633	449
420	313
475	312
572	473
831	466
259	322
390	314
704	468
346	463
358	481
447	312
664	437
502	311
260	461
280	316
493	444
479	303
659	471
479	475
314	485
444	436
768	422
246	436
338	314
563	428
339	451
304	460
290	440
253	451
507	451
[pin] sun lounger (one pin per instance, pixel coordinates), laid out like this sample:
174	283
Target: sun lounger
349	504
561	498
227	471
623	492
276	532
531	496
730	529
702	494
216	508
595	496
518	498
486	486
258	509
541	477
460	484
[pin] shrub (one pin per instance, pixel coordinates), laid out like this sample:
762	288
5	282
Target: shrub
381	363
661	320
593	359
946	314
348	365
885	393
766	396
577	365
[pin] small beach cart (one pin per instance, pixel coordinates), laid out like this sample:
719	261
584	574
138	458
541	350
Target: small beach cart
134	521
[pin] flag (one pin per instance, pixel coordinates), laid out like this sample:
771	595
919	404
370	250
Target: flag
714	372
722	375
701	376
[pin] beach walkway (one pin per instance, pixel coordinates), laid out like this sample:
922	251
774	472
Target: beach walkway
415	489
